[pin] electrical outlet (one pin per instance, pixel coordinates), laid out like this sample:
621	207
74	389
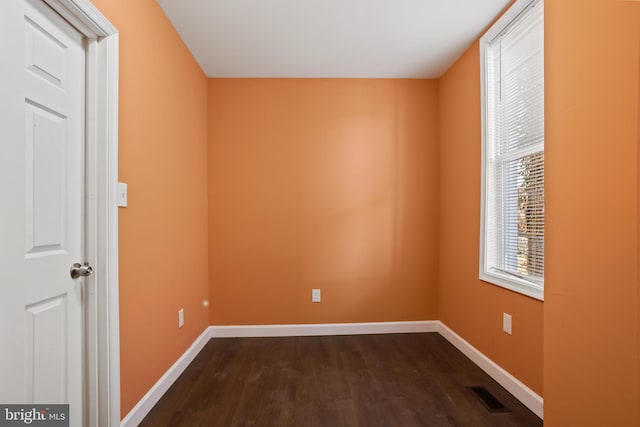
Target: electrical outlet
181	318
507	323
315	295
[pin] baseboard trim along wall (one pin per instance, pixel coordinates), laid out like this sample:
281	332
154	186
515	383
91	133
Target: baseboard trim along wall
523	393
323	329
148	401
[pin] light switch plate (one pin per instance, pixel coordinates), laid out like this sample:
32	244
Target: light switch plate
507	323
122	195
315	295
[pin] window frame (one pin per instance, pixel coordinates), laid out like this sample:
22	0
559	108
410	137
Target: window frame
530	287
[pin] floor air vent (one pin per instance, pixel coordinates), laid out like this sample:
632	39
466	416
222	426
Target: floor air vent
488	400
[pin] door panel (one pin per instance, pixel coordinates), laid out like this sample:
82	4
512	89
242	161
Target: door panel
42	83
44	53
46	143
46	381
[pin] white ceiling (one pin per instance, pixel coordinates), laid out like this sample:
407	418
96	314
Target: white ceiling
329	38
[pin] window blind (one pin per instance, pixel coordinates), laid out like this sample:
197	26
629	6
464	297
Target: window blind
514	149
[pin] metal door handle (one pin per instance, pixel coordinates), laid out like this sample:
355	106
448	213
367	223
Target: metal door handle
78	270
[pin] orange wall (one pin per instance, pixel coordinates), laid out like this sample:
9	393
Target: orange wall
163	232
470	307
322	183
591	354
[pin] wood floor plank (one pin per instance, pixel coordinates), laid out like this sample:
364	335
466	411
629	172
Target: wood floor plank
353	381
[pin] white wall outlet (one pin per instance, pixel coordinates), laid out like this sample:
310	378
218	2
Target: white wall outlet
506	323
315	295
181	318
122	195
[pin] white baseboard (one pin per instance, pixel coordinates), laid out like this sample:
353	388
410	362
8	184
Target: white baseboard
524	394
323	329
148	401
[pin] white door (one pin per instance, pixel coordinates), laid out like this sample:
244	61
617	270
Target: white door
42	80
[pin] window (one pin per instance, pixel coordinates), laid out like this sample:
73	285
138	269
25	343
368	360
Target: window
512	229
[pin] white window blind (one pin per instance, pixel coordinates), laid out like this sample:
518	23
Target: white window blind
512	252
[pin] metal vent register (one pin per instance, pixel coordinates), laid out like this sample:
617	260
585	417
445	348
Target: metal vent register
488	400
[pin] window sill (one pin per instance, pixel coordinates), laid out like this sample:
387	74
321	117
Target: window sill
514	284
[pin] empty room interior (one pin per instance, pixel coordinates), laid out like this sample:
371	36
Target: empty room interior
259	175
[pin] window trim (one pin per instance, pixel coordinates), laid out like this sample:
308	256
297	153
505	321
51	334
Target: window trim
492	275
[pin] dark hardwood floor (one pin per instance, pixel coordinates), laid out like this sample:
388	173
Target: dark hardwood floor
360	380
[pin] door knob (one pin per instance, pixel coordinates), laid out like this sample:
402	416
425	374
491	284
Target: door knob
78	270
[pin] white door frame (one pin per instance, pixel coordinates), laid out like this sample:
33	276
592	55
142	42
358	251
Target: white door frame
102	347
